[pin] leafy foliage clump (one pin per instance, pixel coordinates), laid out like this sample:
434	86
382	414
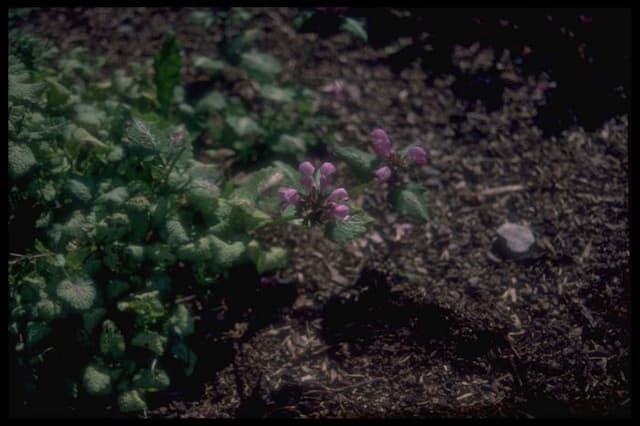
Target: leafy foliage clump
107	175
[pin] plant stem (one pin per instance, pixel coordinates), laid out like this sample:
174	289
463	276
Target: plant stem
172	165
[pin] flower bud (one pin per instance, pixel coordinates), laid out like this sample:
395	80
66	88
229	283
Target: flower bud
340	211
289	195
417	154
383	173
338	194
381	143
327	169
306	169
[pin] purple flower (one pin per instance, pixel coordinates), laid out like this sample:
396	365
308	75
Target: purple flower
289	195
326	170
340	211
338	194
306	169
383	173
417	155
381	143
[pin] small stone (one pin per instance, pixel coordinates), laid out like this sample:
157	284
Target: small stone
514	240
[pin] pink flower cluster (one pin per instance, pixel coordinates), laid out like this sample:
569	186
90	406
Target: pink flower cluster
315	184
382	146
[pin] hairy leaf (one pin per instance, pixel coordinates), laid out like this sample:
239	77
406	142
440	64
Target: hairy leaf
79	294
150	340
21	160
151	381
96	381
274	258
131	401
181	321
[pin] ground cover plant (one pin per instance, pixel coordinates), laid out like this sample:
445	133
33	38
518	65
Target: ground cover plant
122	200
318	212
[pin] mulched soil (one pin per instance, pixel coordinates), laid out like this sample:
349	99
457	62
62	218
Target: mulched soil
433	323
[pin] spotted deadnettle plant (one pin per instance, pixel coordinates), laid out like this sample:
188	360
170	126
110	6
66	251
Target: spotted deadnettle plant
405	196
318	202
393	168
394	161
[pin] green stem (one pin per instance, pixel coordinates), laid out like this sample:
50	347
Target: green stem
172	165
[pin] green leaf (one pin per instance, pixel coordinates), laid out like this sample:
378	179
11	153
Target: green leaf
115	197
160	253
150	340
116	288
357	28
139	204
35	332
242	126
151	381
140	136
166	64
226	254
288	144
147	306
198	251
111	340
131	401
91	318
182	352
47	310
277	94
181	321
208	65
176	234
81	136
22	92
214	101
262	66
21	160
57	94
409	201
89	117
271	260
79	294
81	189
96	381
346	230
361	163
